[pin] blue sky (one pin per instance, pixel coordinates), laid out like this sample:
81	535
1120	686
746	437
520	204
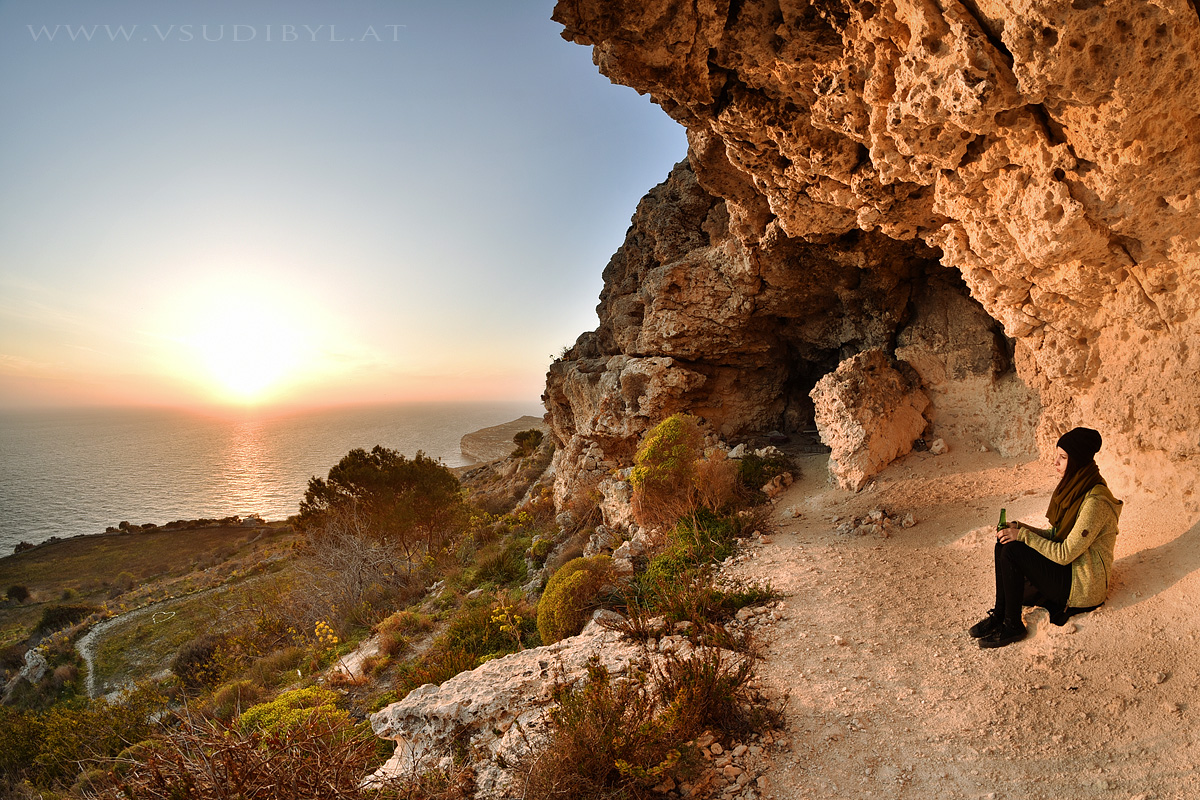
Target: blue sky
304	203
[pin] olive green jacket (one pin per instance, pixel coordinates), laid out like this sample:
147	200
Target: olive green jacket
1087	547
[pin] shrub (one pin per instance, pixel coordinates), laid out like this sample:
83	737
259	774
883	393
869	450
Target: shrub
540	549
527	442
61	616
17	594
710	688
672	477
703	539
322	756
21	736
392	643
406	622
482	629
78	732
437	667
754	471
606	742
503	566
570	597
277	668
200	662
679	582
231	699
476	628
291	709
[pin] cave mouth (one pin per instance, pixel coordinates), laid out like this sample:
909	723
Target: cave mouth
922	315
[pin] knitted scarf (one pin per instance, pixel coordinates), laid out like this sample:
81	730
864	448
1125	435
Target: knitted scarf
1068	497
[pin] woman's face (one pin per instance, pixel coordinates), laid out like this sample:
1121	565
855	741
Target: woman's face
1060	461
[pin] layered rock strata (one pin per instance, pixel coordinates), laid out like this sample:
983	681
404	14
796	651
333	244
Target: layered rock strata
1044	151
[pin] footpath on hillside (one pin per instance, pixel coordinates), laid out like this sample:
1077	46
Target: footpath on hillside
888	695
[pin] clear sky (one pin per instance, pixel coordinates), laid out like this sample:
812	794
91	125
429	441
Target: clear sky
299	202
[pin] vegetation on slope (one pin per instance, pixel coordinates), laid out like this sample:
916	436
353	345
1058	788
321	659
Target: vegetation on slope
231	626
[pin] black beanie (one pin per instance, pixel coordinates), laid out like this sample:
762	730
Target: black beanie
1081	444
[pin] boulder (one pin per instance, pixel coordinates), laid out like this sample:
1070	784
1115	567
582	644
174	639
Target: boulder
869	414
497	710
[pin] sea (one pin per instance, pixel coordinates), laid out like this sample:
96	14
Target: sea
70	472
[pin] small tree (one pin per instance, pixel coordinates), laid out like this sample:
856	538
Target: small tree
415	501
351	568
527	442
17	594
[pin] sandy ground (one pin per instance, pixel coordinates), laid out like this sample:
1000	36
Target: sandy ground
889	696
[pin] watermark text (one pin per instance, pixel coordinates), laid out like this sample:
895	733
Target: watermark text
188	32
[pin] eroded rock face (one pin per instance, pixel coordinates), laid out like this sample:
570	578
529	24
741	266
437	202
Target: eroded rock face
693	318
1044	150
869	414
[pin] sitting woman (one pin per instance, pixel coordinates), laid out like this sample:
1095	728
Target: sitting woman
1067	567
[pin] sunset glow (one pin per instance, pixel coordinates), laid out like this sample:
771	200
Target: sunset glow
248	352
260	218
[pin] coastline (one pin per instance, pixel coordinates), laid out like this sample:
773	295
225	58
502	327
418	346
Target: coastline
79	473
495	442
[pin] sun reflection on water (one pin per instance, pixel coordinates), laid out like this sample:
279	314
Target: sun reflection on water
250	482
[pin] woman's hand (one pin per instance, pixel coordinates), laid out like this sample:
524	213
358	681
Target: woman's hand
1009	534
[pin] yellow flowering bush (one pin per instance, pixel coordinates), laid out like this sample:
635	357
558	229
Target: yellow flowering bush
290	709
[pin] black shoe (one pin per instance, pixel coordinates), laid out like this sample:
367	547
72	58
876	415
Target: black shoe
1004	635
986	626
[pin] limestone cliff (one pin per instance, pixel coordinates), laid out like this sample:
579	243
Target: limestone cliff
973	187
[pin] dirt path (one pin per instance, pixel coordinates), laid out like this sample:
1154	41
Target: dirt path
890	698
87	644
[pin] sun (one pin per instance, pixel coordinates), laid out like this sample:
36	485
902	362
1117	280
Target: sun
246	351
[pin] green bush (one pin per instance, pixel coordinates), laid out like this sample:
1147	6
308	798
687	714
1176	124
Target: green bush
703	539
61	616
436	667
21	737
527	442
540	549
406	622
277	668
678	583
231	699
83	732
17	593
201	661
482	629
502	565
754	471
290	709
710	689
570	597
672	476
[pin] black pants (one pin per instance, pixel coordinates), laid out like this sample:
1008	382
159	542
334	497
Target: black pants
1026	577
